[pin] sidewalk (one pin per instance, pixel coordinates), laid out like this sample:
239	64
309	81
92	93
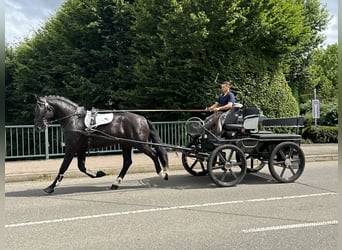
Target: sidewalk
111	164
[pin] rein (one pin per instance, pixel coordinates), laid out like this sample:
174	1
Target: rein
151	110
61	119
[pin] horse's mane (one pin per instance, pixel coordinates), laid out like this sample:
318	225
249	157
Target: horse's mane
61	98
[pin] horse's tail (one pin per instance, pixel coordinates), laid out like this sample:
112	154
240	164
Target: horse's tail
161	151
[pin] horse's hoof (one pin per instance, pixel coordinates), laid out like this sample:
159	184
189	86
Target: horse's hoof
166	177
49	190
100	174
114	187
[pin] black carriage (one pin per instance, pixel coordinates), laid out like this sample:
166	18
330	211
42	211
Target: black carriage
243	146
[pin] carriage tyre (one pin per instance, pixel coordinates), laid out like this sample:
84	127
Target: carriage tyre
227	165
192	162
287	162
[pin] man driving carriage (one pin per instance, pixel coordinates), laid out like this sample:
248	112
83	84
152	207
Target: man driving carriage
223	104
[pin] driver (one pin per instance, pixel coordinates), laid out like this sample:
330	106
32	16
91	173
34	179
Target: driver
224	103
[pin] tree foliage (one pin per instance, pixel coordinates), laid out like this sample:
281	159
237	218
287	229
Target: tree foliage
322	73
295	66
166	54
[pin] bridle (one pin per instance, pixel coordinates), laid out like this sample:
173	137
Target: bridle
49	108
43	104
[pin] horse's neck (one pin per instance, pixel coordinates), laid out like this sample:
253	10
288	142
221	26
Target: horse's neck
62	108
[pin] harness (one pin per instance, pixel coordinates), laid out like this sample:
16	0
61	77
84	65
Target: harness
92	118
80	111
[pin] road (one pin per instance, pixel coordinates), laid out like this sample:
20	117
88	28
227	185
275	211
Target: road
185	212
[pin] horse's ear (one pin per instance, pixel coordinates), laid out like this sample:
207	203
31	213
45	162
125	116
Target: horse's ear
38	98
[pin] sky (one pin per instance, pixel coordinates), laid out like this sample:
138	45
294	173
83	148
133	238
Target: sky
24	17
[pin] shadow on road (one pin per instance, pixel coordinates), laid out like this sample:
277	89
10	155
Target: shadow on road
183	181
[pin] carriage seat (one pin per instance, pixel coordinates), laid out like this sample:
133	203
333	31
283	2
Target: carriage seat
250	121
94	119
232	116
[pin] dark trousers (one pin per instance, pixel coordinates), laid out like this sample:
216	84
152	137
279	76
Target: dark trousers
214	122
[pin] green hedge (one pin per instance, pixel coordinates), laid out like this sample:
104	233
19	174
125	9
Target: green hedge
321	134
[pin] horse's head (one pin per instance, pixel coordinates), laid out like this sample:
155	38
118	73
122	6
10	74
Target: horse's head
43	113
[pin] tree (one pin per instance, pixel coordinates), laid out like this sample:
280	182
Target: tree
295	66
12	100
179	47
81	53
166	54
322	72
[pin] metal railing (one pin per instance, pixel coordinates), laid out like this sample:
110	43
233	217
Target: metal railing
23	142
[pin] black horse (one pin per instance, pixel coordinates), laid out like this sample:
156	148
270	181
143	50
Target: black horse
127	129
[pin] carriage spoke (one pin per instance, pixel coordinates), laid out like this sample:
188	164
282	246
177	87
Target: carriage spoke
222	158
283	156
295	161
230	155
278	163
202	166
223	177
292	151
283	171
292	171
218	166
233	173
194	164
236	164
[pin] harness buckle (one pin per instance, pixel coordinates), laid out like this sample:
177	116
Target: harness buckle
93	116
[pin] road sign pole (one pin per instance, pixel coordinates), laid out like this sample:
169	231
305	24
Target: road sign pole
315	108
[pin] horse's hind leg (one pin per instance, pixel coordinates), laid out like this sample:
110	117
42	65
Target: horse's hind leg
66	162
127	162
154	156
81	156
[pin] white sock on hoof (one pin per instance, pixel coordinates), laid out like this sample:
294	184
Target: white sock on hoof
61	176
162	174
118	180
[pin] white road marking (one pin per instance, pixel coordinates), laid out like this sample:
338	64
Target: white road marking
151	210
283	227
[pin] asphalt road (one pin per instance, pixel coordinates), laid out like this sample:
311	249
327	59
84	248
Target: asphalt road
185	212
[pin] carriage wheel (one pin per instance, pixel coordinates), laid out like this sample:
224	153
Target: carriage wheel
254	165
193	163
286	162
227	165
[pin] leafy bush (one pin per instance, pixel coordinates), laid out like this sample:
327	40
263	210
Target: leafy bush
271	95
321	134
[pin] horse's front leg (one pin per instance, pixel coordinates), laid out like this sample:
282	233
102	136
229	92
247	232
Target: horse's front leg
127	162
69	154
81	156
